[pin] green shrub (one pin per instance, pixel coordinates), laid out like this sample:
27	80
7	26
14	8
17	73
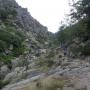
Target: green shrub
3	46
6	58
10	38
41	38
50	55
86	49
13	30
44	64
14	38
2	83
83	50
6	11
19	51
76	50
9	35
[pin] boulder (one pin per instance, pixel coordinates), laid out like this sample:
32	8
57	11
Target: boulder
42	51
10	76
19	69
4	70
16	74
15	62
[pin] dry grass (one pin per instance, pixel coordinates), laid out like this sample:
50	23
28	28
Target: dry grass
49	83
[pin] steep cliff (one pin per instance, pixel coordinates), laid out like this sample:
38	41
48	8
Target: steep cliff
21	38
18	17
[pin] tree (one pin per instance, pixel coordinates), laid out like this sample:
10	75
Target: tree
81	12
81	9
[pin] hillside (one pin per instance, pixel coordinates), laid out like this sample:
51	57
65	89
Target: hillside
21	36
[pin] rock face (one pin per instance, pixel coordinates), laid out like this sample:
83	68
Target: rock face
4	71
21	19
36	37
29	24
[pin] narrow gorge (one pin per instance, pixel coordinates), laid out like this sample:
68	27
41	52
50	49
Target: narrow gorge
32	58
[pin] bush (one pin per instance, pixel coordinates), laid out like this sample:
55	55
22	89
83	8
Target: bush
2	83
19	51
50	63
3	46
76	50
44	64
11	37
6	58
6	12
86	49
50	54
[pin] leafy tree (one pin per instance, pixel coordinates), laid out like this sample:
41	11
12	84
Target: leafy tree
79	29
81	12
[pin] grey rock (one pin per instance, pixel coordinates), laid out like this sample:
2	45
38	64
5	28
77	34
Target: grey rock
10	76
4	71
22	83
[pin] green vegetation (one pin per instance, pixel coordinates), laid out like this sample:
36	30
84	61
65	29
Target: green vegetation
51	54
19	51
11	44
2	46
7	12
86	49
2	83
80	29
46	62
68	33
41	38
76	50
11	40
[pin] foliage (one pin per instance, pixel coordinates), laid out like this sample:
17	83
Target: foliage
81	9
41	38
11	39
7	13
45	62
10	36
68	33
51	54
2	83
7	60
19	51
2	46
81	12
76	50
86	49
79	29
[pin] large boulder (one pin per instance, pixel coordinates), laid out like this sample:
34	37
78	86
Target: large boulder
15	75
10	76
42	51
15	62
4	70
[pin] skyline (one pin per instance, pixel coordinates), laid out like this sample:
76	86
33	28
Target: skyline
49	13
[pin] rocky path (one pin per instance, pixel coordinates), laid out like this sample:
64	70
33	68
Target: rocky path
78	72
22	83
